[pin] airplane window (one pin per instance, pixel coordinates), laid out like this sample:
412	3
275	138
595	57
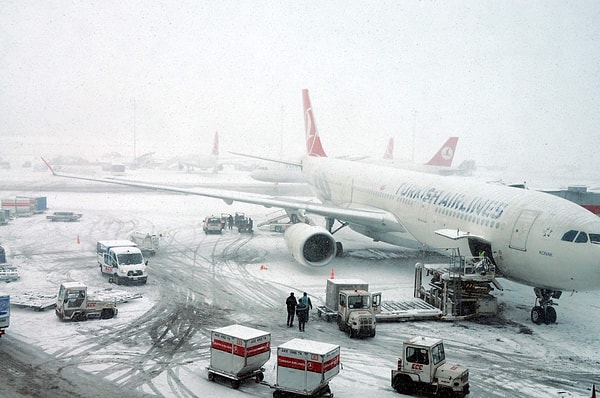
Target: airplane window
569	236
581	238
595	238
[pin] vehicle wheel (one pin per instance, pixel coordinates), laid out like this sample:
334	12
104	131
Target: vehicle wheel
278	228
351	333
537	314
277	394
117	279
235	384
550	315
260	377
211	376
403	384
373	333
340	324
107	313
339	249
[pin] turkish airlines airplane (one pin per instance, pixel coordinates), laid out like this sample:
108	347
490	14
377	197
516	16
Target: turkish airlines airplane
533	238
203	162
440	163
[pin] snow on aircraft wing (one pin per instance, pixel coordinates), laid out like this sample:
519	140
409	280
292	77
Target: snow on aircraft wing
375	218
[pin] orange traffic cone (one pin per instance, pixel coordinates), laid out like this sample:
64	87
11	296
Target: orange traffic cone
593	391
78	239
331	275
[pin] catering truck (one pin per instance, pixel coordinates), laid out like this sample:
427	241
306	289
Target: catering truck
422	368
4	313
123	261
350	302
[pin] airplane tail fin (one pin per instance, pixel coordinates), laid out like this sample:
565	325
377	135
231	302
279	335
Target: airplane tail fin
444	156
313	142
389	150
215	147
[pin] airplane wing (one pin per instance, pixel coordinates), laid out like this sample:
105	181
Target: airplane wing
375	218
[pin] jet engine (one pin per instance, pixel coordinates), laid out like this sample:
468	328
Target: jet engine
310	245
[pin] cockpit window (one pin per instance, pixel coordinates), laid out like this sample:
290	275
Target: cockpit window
581	238
595	238
569	236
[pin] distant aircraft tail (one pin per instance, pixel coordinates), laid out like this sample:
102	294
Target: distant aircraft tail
313	142
444	156
389	150
215	147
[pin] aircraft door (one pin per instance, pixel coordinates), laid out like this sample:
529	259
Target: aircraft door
521	229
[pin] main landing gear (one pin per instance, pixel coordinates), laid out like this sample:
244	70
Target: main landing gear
339	248
543	312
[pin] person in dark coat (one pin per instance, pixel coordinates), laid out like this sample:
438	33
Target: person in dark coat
306	300
302	312
291	304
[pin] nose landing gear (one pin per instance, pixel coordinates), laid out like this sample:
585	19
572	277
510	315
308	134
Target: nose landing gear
543	312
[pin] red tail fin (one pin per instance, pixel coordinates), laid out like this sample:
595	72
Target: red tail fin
313	142
215	148
445	155
389	150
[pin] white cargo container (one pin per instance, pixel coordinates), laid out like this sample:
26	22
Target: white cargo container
305	367
238	352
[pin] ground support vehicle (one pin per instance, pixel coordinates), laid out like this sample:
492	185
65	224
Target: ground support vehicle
422	368
237	353
73	304
305	367
146	242
123	261
4	216
41	204
66	216
4	313
213	225
9	273
461	288
20	206
349	301
245	225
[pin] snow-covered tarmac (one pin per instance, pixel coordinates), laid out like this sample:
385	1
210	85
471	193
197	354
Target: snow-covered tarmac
159	345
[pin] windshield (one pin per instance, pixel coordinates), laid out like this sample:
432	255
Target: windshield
129	258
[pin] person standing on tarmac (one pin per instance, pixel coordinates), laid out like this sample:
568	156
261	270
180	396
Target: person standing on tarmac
306	300
291	304
302	312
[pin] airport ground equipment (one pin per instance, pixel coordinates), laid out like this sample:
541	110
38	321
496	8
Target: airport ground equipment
73	304
4	312
461	288
148	243
349	301
305	367
237	353
422	368
122	260
20	206
65	216
213	225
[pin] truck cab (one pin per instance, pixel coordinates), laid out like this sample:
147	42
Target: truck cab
123	261
356	312
423	368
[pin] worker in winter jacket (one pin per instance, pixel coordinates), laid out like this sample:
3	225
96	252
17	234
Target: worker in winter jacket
291	304
306	300
302	312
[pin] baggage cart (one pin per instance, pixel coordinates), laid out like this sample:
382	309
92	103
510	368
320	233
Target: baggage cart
237	353
305	367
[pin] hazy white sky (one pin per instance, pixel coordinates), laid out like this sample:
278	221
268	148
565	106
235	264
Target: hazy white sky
514	80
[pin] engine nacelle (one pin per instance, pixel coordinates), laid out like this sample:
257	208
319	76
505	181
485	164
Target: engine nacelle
310	245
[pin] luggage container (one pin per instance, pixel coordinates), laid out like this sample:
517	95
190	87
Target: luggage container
238	353
305	367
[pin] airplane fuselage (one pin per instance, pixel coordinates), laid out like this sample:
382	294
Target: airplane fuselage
524	229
